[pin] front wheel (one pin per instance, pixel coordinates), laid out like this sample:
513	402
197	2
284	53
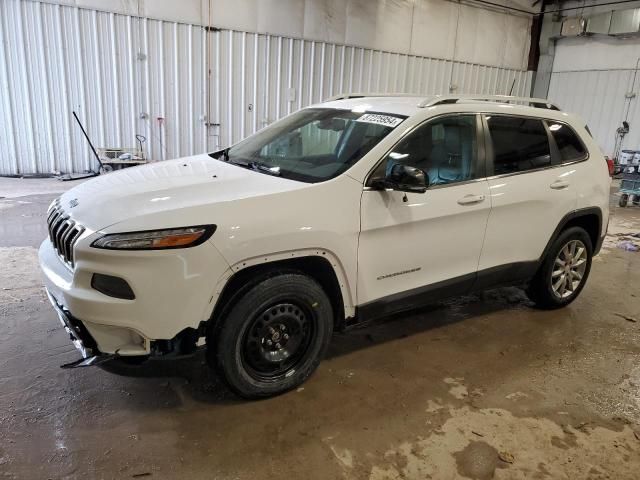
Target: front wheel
273	337
564	270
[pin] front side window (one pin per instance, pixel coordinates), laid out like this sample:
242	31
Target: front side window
569	145
312	145
444	149
519	144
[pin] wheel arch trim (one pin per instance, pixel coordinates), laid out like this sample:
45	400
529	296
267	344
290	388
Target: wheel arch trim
267	260
571	216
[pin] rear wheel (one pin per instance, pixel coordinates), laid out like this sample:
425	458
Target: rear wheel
564	271
273	337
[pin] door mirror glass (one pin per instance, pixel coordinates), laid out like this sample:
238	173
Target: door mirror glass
406	179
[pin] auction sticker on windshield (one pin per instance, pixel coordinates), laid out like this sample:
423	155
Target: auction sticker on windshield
386	120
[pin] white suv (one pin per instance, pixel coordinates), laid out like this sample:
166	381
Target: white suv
348	210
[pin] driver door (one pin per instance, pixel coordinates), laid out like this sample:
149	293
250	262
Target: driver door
417	247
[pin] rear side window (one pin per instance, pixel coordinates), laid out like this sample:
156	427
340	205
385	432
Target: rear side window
519	144
569	145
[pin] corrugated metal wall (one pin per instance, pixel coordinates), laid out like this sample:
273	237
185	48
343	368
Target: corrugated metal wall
126	75
592	76
598	96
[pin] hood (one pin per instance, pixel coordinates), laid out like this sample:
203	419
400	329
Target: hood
171	185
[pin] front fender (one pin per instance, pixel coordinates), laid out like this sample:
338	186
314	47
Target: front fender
346	289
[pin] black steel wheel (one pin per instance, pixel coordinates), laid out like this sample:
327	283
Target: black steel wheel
273	336
277	339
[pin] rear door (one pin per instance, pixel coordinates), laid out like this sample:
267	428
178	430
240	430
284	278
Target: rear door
531	190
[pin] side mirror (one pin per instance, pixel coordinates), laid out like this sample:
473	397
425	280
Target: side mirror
405	179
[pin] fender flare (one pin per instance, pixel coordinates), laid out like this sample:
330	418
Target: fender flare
581	212
329	256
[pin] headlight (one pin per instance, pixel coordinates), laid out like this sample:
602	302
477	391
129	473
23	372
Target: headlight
156	239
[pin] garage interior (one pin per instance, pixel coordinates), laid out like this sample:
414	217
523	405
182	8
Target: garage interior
482	386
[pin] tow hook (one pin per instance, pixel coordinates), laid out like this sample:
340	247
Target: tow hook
89	361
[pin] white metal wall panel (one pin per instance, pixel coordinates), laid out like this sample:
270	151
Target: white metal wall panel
599	98
171	97
417	27
128	75
597	52
592	77
293	73
56	59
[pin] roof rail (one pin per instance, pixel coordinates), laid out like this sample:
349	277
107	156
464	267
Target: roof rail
345	96
445	99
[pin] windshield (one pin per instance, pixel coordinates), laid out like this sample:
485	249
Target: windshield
312	145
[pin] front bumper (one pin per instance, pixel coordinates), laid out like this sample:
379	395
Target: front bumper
79	335
174	290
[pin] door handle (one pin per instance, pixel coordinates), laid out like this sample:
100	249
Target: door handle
471	199
559	184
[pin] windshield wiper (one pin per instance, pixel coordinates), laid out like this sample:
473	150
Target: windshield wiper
253	165
261	167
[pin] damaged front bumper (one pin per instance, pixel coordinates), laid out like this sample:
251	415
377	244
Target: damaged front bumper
182	344
80	337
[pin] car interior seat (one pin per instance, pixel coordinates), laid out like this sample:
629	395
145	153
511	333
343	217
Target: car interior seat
451	158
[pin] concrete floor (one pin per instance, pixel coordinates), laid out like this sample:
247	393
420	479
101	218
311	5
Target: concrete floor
479	387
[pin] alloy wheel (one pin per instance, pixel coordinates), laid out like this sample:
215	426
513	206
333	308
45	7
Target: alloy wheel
569	268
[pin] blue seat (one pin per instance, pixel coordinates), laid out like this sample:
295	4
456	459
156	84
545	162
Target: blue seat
451	159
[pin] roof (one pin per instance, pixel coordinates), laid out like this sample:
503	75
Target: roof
404	104
401	105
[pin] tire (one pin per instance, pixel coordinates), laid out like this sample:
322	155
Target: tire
273	336
624	199
546	288
635	199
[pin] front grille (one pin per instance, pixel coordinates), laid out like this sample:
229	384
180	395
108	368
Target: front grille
63	232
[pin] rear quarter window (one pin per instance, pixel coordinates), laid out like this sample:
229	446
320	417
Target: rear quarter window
570	147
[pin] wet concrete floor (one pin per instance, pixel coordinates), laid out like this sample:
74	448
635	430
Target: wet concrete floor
477	387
